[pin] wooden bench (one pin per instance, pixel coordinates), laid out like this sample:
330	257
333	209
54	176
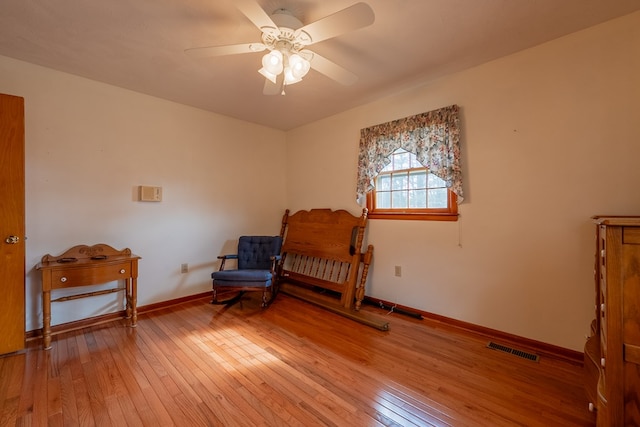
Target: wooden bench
322	252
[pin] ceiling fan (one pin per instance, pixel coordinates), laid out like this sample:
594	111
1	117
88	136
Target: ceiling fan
286	39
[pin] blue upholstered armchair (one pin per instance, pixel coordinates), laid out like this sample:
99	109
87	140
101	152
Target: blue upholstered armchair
258	258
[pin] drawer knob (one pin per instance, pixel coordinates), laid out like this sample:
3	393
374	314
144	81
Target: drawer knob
602	362
122	271
63	279
602	307
592	407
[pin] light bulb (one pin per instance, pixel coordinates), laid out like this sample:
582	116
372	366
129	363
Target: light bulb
299	66
290	77
272	62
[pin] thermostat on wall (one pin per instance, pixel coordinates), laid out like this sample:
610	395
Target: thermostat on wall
150	194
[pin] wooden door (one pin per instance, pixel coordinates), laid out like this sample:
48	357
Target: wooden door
12	212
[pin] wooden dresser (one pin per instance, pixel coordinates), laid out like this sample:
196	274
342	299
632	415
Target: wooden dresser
88	265
612	352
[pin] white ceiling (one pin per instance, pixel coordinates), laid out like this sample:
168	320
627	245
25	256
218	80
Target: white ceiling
139	45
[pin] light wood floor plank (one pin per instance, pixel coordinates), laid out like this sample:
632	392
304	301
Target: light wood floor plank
68	398
253	358
216	356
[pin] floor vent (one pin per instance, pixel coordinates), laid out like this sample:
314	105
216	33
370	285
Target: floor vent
519	353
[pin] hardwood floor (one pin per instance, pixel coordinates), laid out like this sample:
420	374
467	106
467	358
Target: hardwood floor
292	364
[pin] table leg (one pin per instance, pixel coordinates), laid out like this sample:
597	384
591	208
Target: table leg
134	301
127	298
46	319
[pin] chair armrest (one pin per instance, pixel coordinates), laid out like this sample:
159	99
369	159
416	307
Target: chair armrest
224	258
275	260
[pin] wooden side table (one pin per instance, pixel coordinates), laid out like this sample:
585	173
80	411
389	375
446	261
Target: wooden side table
88	265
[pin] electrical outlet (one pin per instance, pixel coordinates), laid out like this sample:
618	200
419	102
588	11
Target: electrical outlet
184	268
398	271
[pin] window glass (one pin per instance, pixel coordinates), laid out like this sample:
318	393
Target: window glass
406	189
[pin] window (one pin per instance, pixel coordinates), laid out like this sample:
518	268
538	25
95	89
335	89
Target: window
405	189
410	168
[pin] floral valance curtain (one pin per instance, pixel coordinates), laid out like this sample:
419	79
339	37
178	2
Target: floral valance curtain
434	137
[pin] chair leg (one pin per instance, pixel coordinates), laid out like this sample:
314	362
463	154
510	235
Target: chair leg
268	295
214	300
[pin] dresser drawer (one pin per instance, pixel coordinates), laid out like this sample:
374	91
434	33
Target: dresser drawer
631	235
89	276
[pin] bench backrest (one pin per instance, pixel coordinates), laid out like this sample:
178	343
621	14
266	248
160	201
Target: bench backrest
322	248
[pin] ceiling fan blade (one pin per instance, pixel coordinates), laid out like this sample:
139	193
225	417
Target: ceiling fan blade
276	88
353	17
232	49
332	70
256	14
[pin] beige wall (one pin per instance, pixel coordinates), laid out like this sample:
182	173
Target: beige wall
88	147
551	136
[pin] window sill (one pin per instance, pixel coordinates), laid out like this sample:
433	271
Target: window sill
414	216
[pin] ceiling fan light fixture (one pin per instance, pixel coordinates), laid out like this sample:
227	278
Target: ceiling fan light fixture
272	62
289	77
284	60
298	65
269	76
